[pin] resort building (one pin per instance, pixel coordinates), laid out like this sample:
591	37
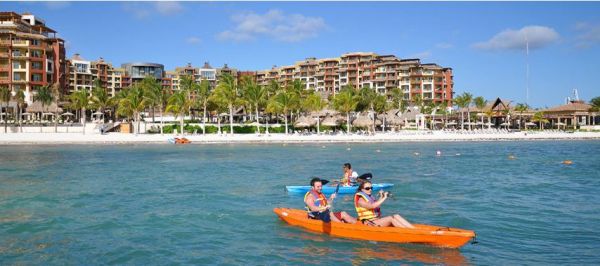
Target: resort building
80	74
139	70
430	82
574	114
31	56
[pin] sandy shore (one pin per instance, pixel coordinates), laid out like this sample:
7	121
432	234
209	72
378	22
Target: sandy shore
408	136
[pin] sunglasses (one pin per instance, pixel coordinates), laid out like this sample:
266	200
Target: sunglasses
368	188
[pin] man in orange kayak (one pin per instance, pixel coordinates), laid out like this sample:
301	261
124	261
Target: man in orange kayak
369	211
318	208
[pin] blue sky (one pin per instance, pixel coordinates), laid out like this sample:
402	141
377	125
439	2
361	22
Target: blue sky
483	42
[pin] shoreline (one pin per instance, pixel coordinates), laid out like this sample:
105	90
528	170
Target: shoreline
409	136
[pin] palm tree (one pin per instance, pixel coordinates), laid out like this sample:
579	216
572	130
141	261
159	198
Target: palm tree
345	102
367	98
521	107
179	103
255	96
397	97
45	96
283	102
4	98
480	103
595	102
461	102
418	101
100	99
540	118
133	104
314	103
154	95
380	105
227	92
468	98
202	95
80	100
489	113
20	98
272	88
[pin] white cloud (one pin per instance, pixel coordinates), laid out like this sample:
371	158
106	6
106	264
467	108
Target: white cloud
56	5
421	55
141	10
537	36
273	24
168	8
589	34
193	40
444	45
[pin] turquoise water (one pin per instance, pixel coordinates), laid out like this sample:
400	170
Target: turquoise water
212	204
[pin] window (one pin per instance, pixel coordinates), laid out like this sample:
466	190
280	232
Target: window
36	53
18	76
36	77
37	65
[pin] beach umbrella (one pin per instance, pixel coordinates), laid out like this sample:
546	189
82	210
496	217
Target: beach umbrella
530	124
362	121
98	113
47	114
330	121
67	114
305	122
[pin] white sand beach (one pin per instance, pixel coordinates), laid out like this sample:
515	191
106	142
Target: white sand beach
403	136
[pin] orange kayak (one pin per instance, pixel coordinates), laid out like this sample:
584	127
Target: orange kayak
423	234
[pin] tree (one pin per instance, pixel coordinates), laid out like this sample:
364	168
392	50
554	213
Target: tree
283	102
521	107
367	98
468	98
461	102
345	102
20	98
227	92
80	100
381	105
4	98
255	96
480	103
202	95
314	103
397	98
100	99
595	102
540	118
155	96
179	103
132	104
57	98
45	97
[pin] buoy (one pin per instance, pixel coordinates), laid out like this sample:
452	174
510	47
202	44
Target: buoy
567	162
348	149
416	154
458	154
323	147
438	153
511	157
377	150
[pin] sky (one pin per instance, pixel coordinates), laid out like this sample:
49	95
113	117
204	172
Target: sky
485	43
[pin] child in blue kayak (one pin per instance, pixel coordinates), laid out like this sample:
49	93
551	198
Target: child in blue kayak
318	207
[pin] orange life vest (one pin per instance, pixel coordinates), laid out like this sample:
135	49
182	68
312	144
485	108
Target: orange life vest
319	199
364	213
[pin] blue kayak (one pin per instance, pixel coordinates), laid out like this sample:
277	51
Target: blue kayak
331	189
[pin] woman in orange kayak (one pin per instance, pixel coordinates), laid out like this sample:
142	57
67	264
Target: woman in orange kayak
369	211
318	208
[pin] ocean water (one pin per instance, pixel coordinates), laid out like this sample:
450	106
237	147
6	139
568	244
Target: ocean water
212	204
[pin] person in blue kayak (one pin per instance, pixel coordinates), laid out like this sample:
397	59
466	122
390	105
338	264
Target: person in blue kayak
318	207
349	178
369	211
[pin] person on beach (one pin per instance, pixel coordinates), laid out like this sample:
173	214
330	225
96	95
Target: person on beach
318	207
369	211
349	178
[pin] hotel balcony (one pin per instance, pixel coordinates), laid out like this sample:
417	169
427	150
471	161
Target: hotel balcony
20	43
